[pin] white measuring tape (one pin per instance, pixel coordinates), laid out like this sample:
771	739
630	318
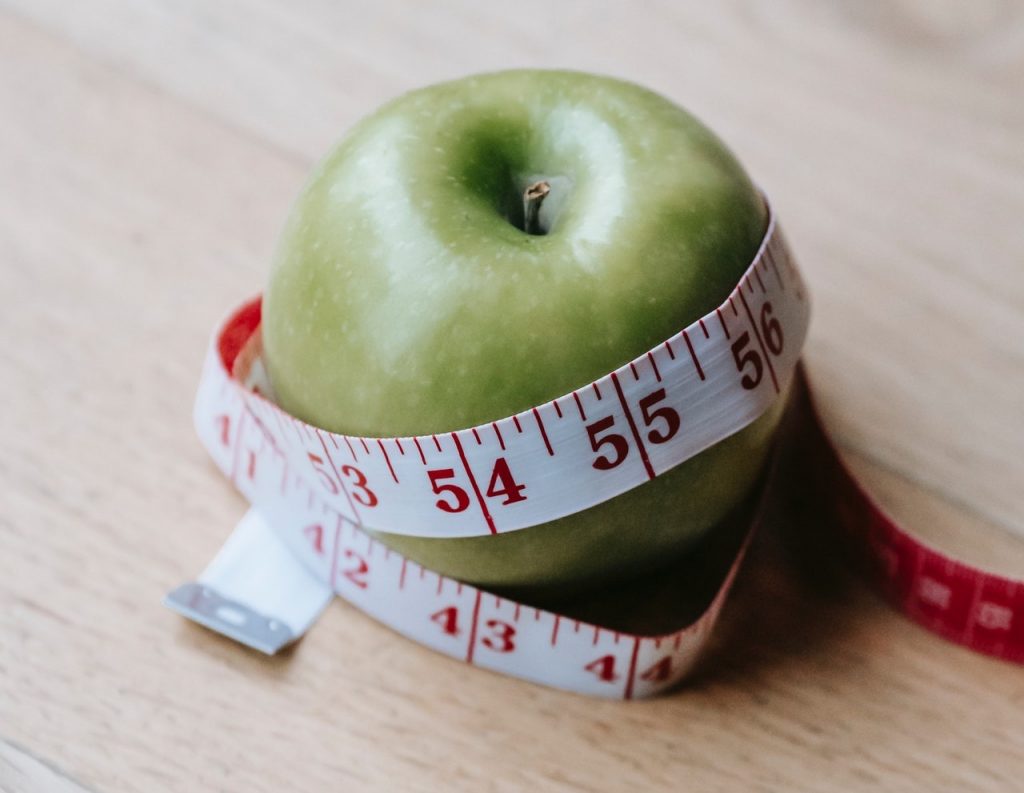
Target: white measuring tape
313	491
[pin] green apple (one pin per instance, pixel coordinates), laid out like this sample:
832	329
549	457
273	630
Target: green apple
415	291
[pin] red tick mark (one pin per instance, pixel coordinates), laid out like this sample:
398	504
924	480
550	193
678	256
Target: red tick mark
654	366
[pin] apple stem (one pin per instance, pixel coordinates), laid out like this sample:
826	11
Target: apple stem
533	197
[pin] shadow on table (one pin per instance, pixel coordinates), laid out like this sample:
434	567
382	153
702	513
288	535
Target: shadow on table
793	595
794	598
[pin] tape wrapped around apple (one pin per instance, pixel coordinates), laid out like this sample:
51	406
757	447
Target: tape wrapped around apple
478	247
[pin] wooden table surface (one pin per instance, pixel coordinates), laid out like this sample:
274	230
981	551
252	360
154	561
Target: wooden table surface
148	153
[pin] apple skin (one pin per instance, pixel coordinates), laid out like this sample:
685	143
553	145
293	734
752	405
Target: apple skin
404	298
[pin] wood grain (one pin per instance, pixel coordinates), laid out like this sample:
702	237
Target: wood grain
148	153
19	770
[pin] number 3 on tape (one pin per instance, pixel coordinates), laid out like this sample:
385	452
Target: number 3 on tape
312	492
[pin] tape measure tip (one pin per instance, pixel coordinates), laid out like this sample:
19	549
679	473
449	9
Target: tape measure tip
205	606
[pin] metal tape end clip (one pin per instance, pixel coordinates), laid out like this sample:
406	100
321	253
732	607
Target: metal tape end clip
235	620
254	591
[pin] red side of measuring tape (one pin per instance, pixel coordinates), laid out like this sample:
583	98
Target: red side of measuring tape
965	604
237	332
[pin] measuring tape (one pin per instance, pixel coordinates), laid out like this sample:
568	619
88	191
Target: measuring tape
315	493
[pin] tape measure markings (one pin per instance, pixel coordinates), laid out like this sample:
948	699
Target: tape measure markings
632	426
641	448
640	420
760	342
472	480
497	635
